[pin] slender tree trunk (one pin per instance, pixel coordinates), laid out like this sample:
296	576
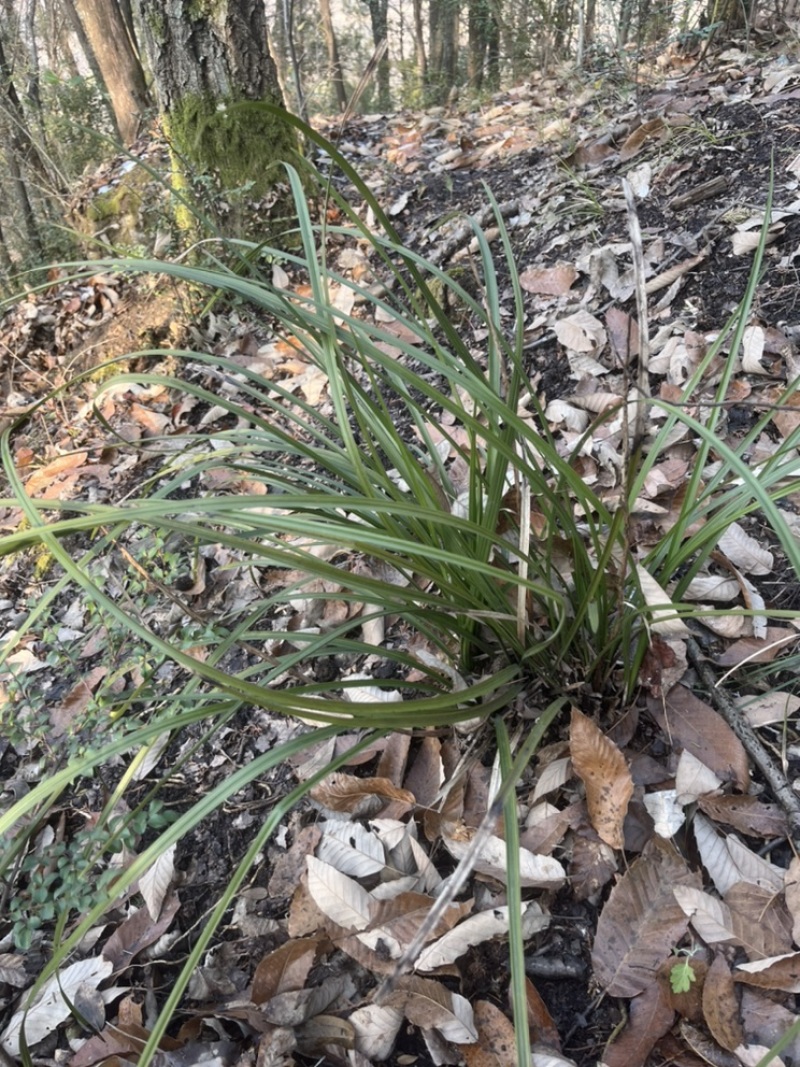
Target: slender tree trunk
420	58
21	144
443	29
334	62
288	24
75	24
118	59
483	44
379	17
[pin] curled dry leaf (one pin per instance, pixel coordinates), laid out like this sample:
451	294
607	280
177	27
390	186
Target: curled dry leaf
475	930
665	811
346	792
602	768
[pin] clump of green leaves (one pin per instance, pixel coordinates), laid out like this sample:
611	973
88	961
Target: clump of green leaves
426	468
65	877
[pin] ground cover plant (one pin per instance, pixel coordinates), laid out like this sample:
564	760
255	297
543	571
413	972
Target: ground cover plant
427	517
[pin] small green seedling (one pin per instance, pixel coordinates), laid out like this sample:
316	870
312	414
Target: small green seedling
682	975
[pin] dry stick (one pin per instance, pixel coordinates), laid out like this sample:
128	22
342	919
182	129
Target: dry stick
456	882
738	722
643	381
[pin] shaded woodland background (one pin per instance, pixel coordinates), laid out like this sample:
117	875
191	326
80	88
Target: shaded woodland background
82	77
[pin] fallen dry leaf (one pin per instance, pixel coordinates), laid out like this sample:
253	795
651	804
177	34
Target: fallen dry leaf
641	921
721	1005
602	768
495	1045
650	1015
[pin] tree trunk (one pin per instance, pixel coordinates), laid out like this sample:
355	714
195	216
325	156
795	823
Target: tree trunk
118	60
483	49
75	24
334	62
206	57
18	137
443	29
420	58
379	17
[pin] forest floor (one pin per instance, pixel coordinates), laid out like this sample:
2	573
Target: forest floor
698	150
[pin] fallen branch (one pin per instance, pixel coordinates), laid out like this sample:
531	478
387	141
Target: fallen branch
738	722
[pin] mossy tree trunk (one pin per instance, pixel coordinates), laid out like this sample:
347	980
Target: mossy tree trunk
207	55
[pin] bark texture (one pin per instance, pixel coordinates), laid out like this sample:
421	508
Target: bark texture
117	57
207	55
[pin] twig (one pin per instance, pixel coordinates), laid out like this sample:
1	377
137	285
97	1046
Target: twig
464	234
738	722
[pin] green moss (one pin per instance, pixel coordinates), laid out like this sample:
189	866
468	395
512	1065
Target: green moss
126	213
241	146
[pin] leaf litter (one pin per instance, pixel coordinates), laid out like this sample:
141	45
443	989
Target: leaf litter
648	837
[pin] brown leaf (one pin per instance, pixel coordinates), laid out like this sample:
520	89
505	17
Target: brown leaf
623	333
747	814
592	863
345	792
650	1016
495	1046
721	1006
548	281
540	1021
688	1004
756	649
430	1005
699	1042
285	969
760	919
792	896
641	921
634	144
691	724
56	468
138	933
602	768
775	972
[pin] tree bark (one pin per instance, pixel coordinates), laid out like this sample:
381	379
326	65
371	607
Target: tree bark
483	49
443	29
379	17
334	60
75	24
207	56
118	59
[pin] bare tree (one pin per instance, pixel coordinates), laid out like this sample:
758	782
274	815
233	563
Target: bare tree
379	18
334	61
